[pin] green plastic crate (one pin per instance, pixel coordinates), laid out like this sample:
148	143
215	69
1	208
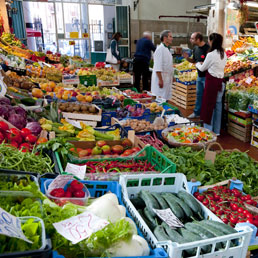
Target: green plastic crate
88	80
149	153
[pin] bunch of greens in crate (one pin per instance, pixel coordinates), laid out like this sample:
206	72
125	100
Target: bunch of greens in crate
227	165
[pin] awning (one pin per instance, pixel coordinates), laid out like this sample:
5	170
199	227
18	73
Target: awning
33	33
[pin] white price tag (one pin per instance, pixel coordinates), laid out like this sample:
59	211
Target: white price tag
169	217
80	227
2	87
74	123
248	80
78	171
11	226
59	182
256	38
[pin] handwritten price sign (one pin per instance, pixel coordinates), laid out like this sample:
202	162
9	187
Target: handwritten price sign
80	227
169	217
59	182
11	226
76	170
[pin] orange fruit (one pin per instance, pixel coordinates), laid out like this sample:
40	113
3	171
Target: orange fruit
88	98
80	97
37	93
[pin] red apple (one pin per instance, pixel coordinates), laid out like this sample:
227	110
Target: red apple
106	149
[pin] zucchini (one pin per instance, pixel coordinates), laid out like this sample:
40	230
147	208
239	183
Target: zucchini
149	217
149	224
210	228
197	229
150	201
160	233
28	101
189	236
176	209
138	203
190	201
162	203
174	236
103	136
187	210
221	226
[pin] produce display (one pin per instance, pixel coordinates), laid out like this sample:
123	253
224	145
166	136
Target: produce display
56	132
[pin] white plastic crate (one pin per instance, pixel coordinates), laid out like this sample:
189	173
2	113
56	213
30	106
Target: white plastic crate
133	184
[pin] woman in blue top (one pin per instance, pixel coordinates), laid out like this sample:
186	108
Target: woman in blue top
114	49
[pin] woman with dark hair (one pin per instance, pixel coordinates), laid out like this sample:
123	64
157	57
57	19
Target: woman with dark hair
114	50
214	64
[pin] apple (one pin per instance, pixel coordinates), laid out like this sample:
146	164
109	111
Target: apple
106	149
101	143
96	150
117	149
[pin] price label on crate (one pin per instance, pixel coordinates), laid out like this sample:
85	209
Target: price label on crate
80	227
11	226
59	182
78	171
248	80
169	217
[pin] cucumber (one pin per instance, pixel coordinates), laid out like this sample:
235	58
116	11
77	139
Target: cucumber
152	219
150	201
190	201
221	226
138	203
174	236
187	210
189	236
160	233
210	228
149	224
176	209
162	203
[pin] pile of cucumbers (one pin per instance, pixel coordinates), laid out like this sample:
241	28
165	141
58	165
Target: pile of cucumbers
188	211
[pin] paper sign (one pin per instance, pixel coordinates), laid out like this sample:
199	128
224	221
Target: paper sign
78	171
80	227
74	123
59	182
248	80
169	217
11	226
256	38
74	35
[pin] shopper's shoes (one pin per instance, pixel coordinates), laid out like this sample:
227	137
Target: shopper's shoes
193	116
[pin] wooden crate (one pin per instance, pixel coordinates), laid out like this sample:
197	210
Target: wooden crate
239	131
184	95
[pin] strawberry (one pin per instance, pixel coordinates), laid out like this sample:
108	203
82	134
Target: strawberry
76	185
58	192
68	194
78	194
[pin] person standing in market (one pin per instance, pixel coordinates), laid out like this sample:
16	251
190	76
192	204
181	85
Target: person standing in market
161	80
141	61
214	64
199	53
114	50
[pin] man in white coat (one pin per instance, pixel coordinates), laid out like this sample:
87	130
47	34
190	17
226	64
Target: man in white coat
161	80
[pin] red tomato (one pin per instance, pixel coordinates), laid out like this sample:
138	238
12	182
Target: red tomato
240	210
31	138
14	144
200	198
233	220
225	220
25	132
3	126
14	135
24	146
205	202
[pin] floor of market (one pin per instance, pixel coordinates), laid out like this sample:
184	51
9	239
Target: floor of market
227	141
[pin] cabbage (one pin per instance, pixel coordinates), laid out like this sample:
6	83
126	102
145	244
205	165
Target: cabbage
17	121
34	127
5	101
20	111
4	111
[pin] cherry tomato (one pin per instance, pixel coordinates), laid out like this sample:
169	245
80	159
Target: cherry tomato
248	197
200	198
240	210
25	132
31	138
249	216
234	207
205	202
225	220
249	201
250	221
233	220
245	212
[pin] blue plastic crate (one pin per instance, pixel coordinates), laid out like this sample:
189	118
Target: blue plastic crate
106	117
252	109
99	188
